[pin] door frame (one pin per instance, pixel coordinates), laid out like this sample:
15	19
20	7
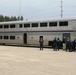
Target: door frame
25	38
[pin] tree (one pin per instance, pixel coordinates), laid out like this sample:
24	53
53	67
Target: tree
12	18
6	18
1	18
20	18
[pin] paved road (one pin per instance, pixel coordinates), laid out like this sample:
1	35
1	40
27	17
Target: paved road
32	61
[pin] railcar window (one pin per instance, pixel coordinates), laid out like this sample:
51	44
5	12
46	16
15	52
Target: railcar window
1	26
12	37
0	37
5	37
27	25
63	23
6	26
43	24
52	24
34	24
12	26
20	25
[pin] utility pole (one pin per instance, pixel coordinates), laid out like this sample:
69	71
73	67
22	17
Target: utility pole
61	9
19	9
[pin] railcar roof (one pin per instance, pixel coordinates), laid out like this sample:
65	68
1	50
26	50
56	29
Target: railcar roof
40	20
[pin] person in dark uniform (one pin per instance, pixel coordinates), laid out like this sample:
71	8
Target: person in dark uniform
74	44
69	45
58	44
41	41
55	44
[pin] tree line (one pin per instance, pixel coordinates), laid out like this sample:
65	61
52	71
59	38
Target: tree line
12	18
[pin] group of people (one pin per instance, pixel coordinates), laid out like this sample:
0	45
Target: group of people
56	44
69	45
66	44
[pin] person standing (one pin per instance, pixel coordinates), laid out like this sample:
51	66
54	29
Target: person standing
58	44
69	45
41	41
74	44
55	44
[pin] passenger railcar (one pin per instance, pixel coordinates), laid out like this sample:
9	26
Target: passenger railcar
29	32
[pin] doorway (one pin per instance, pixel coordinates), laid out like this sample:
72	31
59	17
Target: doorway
66	35
25	38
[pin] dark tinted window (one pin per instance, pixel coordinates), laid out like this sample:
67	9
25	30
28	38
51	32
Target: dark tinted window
0	37
52	24
20	25
43	24
12	26
1	26
27	25
12	37
34	24
6	26
63	23
5	37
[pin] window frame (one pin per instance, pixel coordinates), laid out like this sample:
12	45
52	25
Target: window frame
27	25
0	37
12	37
12	26
63	23
20	25
34	25
6	26
52	24
1	26
44	24
6	37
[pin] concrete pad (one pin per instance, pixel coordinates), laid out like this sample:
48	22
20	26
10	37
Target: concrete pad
32	61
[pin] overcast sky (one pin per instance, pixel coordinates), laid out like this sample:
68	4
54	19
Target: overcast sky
38	9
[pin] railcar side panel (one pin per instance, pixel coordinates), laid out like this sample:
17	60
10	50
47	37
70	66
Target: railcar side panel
29	32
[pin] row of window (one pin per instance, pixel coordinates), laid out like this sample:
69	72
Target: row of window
51	24
7	37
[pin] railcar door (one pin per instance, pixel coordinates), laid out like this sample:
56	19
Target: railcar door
66	35
25	38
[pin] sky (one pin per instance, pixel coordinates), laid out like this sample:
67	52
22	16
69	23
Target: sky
38	9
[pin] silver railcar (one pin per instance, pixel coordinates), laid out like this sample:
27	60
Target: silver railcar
29	32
